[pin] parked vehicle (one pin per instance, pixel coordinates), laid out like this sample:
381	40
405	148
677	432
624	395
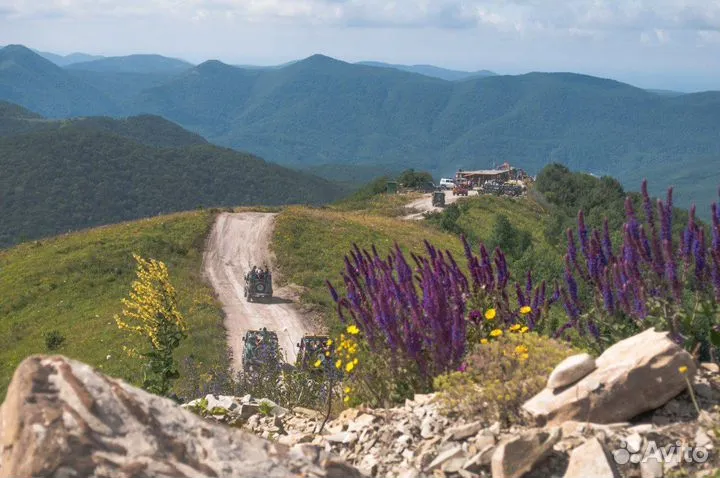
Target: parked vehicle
262	349
438	199
502	189
460	190
447	183
258	284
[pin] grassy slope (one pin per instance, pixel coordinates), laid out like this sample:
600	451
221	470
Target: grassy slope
74	284
478	218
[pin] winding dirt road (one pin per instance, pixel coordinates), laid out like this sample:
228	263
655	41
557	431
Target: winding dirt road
237	242
424	205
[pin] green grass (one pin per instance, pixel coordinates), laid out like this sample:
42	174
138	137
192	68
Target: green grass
310	245
74	284
389	205
478	216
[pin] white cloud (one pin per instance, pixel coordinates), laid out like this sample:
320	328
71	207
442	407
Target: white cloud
519	15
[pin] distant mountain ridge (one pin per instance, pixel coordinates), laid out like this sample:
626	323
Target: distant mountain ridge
433	71
134	64
323	111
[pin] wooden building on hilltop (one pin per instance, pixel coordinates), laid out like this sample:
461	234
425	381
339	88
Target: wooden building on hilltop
477	178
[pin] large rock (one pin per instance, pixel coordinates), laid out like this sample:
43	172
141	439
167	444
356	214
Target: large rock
633	376
571	370
63	418
591	460
518	455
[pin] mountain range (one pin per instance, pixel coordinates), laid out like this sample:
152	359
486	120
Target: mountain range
322	111
60	175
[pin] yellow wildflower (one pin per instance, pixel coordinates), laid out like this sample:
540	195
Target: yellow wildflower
352	329
521	349
346	399
525	310
490	314
496	333
524	329
683	369
349	367
318	363
347	390
355	361
483	341
515	328
338	364
329	342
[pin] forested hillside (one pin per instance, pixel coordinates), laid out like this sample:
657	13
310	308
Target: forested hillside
64	175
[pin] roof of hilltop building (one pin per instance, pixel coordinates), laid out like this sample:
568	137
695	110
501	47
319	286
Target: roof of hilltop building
484	172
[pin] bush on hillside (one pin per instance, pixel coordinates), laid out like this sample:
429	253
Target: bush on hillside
512	240
499	375
151	311
414	179
53	340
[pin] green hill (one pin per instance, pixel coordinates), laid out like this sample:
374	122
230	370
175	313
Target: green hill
65	175
321	111
73	284
145	129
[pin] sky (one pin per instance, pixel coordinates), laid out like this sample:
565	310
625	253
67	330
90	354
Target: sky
667	44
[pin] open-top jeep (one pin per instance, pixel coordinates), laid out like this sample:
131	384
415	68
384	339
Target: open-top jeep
262	349
258	284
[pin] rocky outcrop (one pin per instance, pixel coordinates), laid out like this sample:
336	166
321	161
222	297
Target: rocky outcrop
61	418
633	376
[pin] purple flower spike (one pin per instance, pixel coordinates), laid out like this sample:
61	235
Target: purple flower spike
647	205
583	233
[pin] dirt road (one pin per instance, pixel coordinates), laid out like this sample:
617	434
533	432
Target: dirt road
424	204
236	243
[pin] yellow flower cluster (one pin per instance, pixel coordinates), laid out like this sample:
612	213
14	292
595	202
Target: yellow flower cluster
345	354
522	352
152	305
490	315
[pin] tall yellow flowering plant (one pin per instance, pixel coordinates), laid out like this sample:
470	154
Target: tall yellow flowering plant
152	312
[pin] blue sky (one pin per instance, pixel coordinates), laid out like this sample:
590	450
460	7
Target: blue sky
672	44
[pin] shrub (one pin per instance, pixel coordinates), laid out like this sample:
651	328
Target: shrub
512	240
413	179
499	375
152	312
53	340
